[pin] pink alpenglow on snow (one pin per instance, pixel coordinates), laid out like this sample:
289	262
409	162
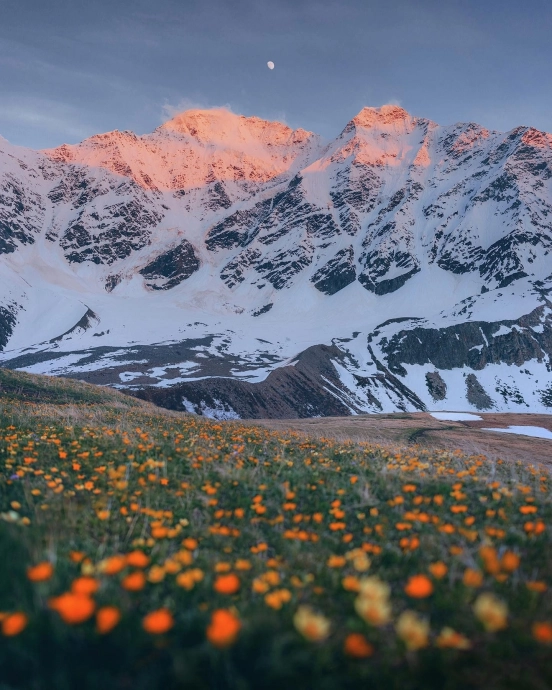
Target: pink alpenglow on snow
195	148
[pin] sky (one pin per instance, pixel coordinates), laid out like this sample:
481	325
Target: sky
70	69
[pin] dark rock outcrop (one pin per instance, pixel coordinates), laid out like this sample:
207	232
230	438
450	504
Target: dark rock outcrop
172	267
436	386
8	319
336	274
476	395
473	344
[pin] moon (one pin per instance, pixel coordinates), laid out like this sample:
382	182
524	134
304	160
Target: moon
270	64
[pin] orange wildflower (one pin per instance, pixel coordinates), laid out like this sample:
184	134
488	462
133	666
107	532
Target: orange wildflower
73	608
536	586
472	578
134	582
158	622
184	557
76	556
137	559
336	562
85	585
447	529
171	566
156	574
223	629
189	578
351	583
419	587
438	570
40	572
260	586
357	646
509	561
227	584
449	638
277	598
107	618
490	559
272	577
190	544
113	564
13	624
542	632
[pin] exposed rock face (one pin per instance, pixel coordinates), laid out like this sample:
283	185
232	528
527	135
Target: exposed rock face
172	267
474	344
8	319
21	212
436	386
417	255
336	274
476	394
110	233
546	396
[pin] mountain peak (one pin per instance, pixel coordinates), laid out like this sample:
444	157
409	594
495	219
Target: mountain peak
222	126
384	115
196	121
196	147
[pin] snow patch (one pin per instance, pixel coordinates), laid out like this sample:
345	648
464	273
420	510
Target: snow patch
456	416
534	431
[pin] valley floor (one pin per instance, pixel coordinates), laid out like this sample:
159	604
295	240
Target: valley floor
471	436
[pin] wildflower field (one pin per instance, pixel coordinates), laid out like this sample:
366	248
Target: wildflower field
144	549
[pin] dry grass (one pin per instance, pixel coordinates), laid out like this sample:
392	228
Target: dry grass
406	430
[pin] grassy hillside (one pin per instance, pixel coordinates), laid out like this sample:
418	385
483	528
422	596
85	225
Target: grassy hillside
19	387
144	549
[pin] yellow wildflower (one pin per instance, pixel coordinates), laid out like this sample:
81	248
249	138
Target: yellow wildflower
492	612
413	630
313	626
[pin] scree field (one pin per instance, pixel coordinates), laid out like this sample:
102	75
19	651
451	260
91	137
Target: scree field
145	549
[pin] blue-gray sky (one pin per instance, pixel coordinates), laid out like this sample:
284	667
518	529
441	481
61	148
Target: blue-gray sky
69	69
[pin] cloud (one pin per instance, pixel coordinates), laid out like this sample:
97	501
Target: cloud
170	110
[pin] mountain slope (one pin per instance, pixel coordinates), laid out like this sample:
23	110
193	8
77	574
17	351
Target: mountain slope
235	267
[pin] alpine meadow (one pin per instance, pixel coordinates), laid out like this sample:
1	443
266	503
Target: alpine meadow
275	345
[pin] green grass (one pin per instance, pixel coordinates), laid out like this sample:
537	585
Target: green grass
88	470
17	386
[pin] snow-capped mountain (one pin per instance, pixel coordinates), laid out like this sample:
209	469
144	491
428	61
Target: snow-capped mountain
237	268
